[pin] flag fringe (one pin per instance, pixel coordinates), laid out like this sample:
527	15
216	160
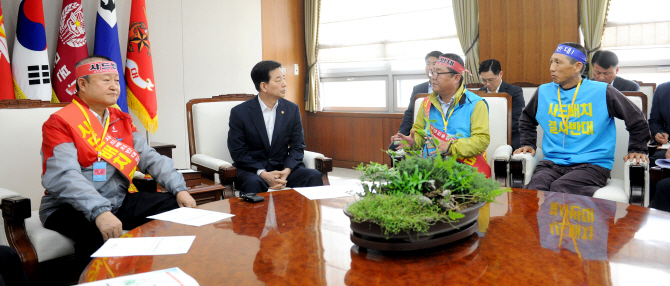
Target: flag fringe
151	124
18	93
54	98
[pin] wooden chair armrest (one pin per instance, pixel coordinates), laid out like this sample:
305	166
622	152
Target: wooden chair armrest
324	165
226	177
15	211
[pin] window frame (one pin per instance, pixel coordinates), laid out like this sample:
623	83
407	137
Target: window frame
396	79
363	76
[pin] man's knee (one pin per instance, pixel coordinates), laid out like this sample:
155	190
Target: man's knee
251	184
560	186
315	177
540	182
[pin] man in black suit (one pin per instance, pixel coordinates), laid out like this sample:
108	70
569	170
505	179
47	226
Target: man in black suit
265	138
605	66
491	73
408	117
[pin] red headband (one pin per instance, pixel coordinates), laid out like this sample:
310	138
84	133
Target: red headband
452	64
95	68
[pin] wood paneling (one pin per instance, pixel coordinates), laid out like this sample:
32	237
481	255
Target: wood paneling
523	34
351	138
283	31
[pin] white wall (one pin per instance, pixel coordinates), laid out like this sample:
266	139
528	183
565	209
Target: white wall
200	48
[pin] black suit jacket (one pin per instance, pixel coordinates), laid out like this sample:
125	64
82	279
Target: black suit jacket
248	140
518	103
408	117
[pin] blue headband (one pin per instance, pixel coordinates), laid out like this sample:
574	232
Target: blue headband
571	52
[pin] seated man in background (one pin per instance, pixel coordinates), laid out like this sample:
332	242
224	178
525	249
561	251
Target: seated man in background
662	196
265	138
605	66
491	74
577	116
89	155
461	117
659	120
426	87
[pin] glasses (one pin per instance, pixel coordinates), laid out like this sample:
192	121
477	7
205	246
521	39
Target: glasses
488	81
432	73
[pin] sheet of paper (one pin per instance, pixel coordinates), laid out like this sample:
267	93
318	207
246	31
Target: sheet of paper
663	163
191	216
136	246
166	277
328	192
664	146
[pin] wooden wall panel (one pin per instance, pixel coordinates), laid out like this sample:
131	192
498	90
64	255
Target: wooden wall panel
522	35
351	138
283	31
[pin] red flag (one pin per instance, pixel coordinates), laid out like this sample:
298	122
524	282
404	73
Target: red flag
71	48
6	83
140	70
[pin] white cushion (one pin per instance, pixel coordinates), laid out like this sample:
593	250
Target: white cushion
417	105
48	243
21	141
502	152
309	159
209	162
649	91
210	128
530	162
613	191
497	123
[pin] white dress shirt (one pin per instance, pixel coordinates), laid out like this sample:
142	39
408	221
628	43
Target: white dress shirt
269	116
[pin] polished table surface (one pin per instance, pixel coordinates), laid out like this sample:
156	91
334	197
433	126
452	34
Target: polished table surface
290	240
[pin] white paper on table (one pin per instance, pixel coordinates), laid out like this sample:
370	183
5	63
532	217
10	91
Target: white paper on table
663	163
165	277
191	216
136	246
328	192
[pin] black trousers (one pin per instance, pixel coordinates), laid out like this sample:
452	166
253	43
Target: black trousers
11	268
662	197
87	237
582	179
249	182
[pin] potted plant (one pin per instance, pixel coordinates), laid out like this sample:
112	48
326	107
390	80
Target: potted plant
419	199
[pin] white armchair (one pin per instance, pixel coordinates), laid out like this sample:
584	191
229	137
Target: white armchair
44	253
207	120
629	182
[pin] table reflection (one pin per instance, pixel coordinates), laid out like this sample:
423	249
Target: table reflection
526	238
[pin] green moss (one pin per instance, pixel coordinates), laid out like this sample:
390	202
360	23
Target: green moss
396	213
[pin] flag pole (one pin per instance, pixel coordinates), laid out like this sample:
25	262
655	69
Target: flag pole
148	141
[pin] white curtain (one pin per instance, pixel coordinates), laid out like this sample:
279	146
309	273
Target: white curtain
466	14
312	11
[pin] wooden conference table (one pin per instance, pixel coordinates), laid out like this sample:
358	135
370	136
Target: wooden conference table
290	240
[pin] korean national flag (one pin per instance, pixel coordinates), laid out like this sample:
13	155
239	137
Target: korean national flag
30	60
107	43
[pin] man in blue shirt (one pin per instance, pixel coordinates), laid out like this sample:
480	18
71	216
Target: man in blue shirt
577	117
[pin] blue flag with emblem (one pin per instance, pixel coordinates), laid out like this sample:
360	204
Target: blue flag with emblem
107	43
